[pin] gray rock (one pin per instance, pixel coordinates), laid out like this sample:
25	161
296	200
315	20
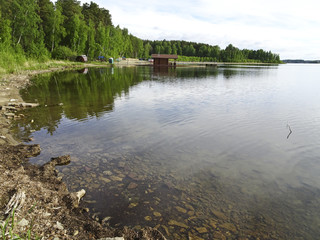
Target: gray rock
59	226
23	222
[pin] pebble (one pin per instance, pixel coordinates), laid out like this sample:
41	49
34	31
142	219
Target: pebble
229	226
59	226
115	178
115	238
132	205
132	185
219	214
219	235
109	173
147	218
106	180
121	164
201	229
180	209
157	214
191	213
23	222
106	219
46	214
193	237
179	224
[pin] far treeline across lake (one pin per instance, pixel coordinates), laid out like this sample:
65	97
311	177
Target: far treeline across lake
43	30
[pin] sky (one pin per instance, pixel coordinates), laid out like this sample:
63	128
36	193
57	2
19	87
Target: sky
287	27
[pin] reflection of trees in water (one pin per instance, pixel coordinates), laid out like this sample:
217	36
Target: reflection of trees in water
233	71
79	96
76	96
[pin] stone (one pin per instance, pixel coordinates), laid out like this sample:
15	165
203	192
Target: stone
180	209
229	226
106	180
133	175
157	214
9	115
121	164
46	214
132	185
191	213
114	238
219	214
147	218
219	235
179	224
193	237
106	219
213	224
189	207
29	105
59	226
23	222
115	178
109	173
202	230
132	205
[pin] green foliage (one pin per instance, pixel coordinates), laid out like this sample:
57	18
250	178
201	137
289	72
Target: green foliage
63	53
205	52
41	29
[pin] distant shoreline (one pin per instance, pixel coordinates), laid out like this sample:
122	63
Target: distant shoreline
300	61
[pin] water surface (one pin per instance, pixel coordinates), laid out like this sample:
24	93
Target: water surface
191	151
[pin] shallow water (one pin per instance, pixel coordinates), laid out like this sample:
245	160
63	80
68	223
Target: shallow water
192	151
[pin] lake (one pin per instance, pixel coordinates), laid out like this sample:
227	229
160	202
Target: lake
214	153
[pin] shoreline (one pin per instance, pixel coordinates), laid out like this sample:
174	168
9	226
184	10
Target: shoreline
56	213
34	199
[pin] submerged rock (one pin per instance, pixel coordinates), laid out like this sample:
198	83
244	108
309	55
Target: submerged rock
180	209
179	224
202	230
147	218
115	178
229	226
132	185
132	205
157	214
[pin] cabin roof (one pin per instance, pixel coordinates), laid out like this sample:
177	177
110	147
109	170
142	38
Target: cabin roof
167	56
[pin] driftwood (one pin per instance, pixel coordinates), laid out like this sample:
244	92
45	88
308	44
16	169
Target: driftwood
16	202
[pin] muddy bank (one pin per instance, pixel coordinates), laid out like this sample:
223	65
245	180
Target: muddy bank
35	197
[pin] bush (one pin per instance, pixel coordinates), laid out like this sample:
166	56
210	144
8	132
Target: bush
63	53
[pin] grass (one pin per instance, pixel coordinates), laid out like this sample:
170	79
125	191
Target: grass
8	230
15	62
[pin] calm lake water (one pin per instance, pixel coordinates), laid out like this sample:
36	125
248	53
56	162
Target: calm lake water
220	153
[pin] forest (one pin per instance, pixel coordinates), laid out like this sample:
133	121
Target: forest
43	30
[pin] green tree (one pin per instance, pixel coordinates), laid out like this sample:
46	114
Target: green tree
58	30
5	33
26	28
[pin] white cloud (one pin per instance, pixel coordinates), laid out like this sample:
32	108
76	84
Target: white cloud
290	28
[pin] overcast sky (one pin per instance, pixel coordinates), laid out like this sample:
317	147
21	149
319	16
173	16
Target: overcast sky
288	27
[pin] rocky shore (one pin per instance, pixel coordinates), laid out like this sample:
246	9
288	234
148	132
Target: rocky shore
34	202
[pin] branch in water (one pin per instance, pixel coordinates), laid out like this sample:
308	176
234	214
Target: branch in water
288	126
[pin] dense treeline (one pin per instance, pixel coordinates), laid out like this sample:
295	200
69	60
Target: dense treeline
41	29
204	52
